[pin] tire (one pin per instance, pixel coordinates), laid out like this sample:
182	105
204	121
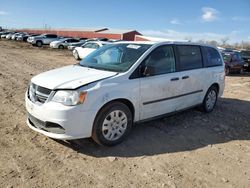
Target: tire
76	55
210	99
60	47
227	71
39	43
240	71
112	124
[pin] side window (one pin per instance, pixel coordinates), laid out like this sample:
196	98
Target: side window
91	45
51	36
162	59
74	40
190	57
88	45
95	46
212	57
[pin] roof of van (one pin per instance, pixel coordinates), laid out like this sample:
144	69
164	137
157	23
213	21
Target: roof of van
165	42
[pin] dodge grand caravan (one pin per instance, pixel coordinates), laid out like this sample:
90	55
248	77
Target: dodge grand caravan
120	84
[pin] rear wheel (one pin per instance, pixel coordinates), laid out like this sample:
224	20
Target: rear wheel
210	99
112	124
39	43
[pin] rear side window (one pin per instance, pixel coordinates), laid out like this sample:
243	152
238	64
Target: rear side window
189	57
212	57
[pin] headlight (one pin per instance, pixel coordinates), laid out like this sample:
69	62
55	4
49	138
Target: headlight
69	98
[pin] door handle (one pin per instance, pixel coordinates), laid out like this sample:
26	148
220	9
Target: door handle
174	79
185	77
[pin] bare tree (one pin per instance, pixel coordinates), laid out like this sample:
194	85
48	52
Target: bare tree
224	40
213	43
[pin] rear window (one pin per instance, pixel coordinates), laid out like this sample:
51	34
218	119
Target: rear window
190	57
212	57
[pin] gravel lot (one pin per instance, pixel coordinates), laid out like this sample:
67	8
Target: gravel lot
189	149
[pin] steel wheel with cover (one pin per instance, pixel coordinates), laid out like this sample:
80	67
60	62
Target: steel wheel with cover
112	124
210	99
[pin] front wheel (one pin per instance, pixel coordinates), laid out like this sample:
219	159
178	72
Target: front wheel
61	47
39	44
112	124
76	55
210	99
240	71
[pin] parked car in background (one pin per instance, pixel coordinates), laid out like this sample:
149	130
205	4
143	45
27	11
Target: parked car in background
100	39
8	36
233	62
3	33
25	37
44	39
121	84
72	46
63	43
246	57
87	48
14	37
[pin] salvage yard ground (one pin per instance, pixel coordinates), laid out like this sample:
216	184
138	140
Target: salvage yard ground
189	149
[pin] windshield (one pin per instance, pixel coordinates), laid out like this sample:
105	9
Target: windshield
245	53
115	57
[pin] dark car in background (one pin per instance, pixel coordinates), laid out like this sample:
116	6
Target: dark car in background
233	62
246	58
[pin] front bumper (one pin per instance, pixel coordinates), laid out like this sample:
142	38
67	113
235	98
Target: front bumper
72	122
53	46
31	41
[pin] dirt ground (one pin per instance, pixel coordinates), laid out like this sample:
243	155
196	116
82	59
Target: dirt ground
189	149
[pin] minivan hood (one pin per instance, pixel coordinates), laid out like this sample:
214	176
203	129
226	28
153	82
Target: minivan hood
70	77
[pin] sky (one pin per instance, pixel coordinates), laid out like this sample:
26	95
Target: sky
193	20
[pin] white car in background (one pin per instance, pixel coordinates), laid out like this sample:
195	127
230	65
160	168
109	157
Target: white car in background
9	35
72	46
87	48
63	43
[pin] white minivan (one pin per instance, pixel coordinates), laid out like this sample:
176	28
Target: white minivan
123	83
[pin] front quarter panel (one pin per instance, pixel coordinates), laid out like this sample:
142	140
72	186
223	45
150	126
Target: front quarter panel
112	89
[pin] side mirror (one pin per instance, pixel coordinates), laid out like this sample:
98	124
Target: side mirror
148	71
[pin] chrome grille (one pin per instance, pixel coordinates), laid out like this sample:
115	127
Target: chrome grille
38	93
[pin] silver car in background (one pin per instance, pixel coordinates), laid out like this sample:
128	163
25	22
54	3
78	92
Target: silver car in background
63	43
43	39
